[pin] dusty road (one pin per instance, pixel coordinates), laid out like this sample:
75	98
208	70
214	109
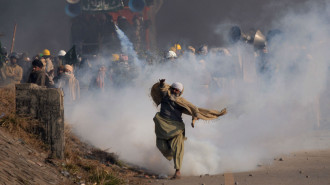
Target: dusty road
300	168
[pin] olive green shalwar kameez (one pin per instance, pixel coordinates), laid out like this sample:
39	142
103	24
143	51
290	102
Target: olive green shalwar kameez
170	139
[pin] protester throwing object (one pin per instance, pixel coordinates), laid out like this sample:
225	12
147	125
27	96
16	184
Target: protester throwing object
169	126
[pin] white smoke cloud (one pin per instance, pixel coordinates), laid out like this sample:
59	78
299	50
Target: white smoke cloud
265	118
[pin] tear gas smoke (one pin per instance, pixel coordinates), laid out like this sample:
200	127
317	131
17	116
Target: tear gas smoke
267	116
126	45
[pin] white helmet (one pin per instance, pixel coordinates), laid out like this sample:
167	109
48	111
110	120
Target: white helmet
61	53
171	54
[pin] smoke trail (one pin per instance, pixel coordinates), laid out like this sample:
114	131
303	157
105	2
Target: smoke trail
267	117
126	45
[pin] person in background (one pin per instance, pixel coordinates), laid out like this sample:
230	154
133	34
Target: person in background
203	50
171	56
84	75
39	76
3	64
60	71
177	50
101	78
48	63
191	50
14	72
69	84
59	60
25	63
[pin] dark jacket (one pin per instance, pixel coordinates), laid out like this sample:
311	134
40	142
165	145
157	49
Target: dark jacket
170	109
40	78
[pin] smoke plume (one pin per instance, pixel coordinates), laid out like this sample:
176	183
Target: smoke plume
268	115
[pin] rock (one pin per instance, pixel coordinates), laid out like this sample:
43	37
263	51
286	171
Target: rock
300	171
21	141
207	174
236	183
201	176
2	115
281	159
307	176
162	176
65	173
30	161
250	175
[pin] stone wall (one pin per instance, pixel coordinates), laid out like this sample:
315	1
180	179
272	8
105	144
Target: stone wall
46	105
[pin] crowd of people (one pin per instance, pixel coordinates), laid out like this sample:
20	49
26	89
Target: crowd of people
102	72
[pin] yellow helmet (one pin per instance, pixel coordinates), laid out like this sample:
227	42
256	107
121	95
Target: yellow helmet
177	46
115	57
46	52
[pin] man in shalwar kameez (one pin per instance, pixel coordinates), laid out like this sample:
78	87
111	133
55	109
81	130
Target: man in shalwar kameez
169	126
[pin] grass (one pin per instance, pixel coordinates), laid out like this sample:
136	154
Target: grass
25	128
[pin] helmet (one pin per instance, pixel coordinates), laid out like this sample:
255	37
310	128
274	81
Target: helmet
46	52
115	57
177	46
171	54
61	53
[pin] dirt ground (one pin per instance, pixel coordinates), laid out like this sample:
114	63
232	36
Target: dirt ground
300	168
303	168
21	164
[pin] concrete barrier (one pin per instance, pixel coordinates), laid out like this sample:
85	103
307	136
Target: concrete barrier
46	105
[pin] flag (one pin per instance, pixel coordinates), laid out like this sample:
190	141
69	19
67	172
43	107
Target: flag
71	57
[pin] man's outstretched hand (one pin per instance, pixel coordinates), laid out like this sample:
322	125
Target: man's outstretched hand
223	111
193	122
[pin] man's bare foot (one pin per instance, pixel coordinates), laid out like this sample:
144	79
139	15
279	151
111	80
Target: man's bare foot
177	175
